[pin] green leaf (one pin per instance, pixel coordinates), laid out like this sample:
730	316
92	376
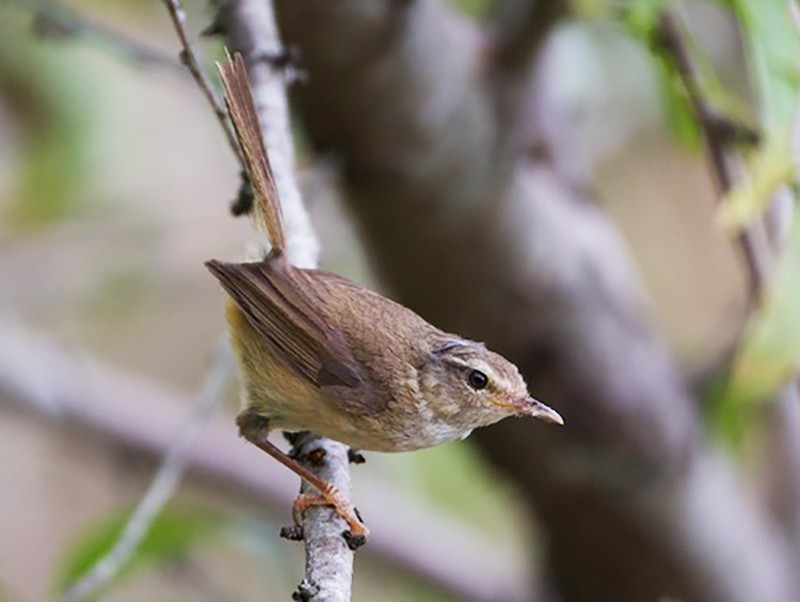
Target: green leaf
769	168
770	352
773	52
641	21
679	114
172	535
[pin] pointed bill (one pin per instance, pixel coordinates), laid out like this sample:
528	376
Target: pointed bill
535	408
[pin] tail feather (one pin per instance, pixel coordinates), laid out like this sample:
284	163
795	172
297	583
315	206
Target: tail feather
243	114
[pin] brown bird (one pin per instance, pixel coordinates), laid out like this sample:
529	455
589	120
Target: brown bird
318	352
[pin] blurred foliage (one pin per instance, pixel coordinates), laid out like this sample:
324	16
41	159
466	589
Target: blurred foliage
52	118
640	20
772	50
473	8
769	167
172	535
770	353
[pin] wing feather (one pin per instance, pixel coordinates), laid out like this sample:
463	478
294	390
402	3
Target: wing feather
282	312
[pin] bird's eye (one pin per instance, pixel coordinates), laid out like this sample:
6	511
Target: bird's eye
477	380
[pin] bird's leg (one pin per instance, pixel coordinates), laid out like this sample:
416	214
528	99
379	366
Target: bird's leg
255	429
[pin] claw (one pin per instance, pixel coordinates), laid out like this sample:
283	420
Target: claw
332	497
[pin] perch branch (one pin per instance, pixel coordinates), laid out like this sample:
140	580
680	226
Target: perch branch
141	416
251	29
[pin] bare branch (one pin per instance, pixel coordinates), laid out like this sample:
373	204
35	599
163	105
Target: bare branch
251	30
142	417
752	239
163	485
55	21
189	58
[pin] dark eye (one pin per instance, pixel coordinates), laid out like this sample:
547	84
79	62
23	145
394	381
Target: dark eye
477	380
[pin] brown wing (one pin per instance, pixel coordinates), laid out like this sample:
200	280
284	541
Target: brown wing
245	121
286	314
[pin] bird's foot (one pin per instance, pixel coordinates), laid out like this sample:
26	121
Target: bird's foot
330	496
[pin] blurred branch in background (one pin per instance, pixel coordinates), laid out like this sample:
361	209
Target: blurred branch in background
164	484
782	473
635	502
143	417
719	134
189	58
58	22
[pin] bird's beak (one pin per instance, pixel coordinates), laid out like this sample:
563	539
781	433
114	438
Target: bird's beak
533	407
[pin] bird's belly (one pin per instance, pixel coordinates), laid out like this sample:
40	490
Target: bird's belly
392	435
385	432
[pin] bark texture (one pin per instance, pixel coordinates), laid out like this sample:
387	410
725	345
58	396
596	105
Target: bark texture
477	229
250	28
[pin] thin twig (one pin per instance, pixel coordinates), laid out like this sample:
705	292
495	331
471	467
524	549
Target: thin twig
55	21
163	485
189	58
751	238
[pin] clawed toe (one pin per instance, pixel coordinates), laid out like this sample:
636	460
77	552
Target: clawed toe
358	532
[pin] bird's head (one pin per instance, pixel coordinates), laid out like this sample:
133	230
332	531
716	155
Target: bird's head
480	384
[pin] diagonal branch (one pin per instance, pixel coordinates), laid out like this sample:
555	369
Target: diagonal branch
520	29
784	416
636	504
141	416
717	137
189	58
162	487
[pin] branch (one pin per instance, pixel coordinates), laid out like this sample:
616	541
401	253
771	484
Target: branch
783	482
163	485
55	21
142	417
635	503
717	136
189	58
251	30
521	27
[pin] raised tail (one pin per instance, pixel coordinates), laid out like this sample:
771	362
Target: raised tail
243	114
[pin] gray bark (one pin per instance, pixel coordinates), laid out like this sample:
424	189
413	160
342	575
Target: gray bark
496	244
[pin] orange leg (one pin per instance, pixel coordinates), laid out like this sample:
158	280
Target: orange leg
255	429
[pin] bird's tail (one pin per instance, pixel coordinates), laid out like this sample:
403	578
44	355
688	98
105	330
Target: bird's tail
243	114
